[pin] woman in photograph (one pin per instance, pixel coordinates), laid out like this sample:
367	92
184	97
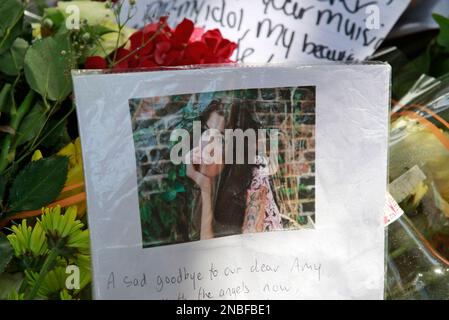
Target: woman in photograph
235	198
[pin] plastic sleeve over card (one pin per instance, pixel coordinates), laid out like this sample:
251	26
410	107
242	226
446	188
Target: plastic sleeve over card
302	220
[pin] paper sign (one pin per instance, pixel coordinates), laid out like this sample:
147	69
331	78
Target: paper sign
286	30
310	225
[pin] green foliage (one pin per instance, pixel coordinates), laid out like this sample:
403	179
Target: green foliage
9	284
28	241
11	18
2	189
39	69
5	98
55	134
31	125
163	215
56	241
411	72
56	17
11	61
6	252
443	37
432	61
38	184
50	80
58	226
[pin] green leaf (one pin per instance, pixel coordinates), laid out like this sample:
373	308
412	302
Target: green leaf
6	252
443	37
11	18
33	122
11	61
47	67
410	73
56	16
9	282
2	188
440	67
38	184
100	30
5	98
56	135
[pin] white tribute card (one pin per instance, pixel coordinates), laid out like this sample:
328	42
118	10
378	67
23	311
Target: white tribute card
285	30
174	213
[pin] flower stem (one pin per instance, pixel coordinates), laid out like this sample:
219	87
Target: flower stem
16	119
28	152
44	270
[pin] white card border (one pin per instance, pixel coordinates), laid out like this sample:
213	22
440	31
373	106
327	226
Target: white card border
109	160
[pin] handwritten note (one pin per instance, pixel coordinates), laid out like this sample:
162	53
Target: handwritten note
217	280
286	30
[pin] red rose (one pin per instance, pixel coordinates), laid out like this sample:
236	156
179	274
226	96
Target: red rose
157	44
182	34
95	62
220	49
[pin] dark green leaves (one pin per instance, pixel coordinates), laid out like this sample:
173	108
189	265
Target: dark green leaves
38	184
31	125
5	98
410	73
2	189
11	17
11	61
443	37
5	252
48	63
56	16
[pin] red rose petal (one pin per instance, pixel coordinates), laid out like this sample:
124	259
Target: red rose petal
95	62
142	43
225	49
148	64
150	28
182	33
195	52
173	58
121	65
158	45
196	34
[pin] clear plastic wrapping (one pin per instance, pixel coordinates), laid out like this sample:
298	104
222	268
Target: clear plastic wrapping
418	251
236	181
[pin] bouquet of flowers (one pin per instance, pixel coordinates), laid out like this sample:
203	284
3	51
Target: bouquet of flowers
43	226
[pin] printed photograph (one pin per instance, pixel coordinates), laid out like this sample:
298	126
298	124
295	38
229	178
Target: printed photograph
224	163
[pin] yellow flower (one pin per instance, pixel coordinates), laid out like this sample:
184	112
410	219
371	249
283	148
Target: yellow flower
74	185
73	151
26	240
65	226
37	155
36	30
